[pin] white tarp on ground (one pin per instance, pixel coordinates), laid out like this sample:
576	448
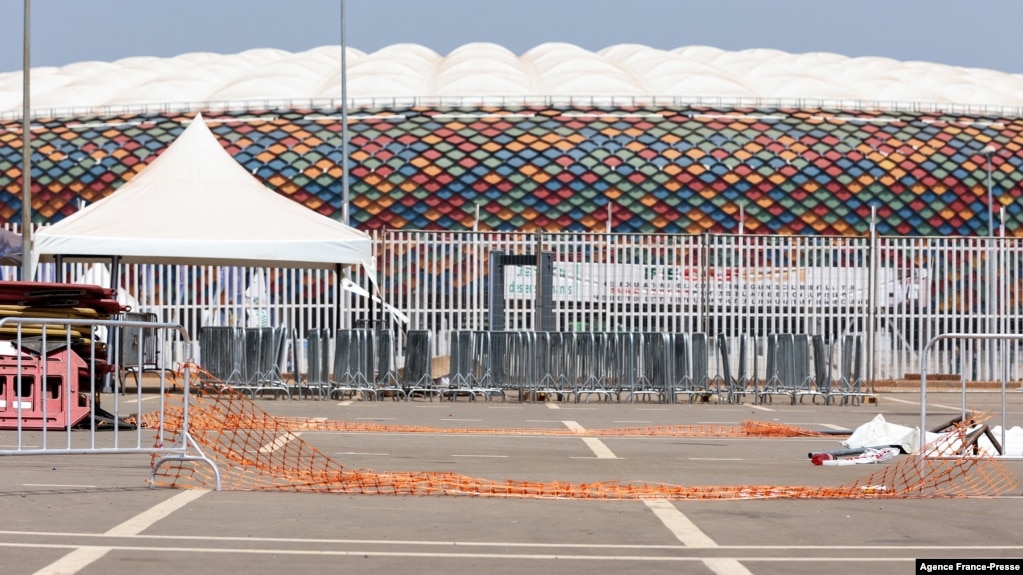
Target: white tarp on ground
196	205
1013	441
878	432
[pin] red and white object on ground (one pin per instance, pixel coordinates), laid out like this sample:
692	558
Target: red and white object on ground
869	456
37	391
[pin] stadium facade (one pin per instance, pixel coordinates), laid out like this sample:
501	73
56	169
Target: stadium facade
628	139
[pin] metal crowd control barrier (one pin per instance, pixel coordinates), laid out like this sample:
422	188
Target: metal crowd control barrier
387	380
822	367
362	363
659	366
682	380
1004	384
343	380
49	399
317	372
562	365
138	349
742	384
248	359
417	375
593	362
803	381
851	376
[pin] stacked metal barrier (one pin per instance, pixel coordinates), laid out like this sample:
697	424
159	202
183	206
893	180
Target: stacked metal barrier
653	366
417	375
317	377
352	363
578	366
248	359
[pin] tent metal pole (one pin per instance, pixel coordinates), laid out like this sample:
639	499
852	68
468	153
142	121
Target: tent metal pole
338	294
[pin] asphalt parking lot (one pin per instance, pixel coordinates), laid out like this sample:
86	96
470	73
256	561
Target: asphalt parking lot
96	514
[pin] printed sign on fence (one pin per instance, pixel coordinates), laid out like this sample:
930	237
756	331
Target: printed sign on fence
672	285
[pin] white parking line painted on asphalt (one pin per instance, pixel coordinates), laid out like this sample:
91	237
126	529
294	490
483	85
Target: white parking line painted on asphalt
346	402
481	456
574	426
82	557
58	485
74	561
691	536
726	566
596	446
897	400
147	518
552	406
126	400
279	442
680	526
834	551
760	407
717	565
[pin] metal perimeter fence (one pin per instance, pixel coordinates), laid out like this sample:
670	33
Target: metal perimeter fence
895	292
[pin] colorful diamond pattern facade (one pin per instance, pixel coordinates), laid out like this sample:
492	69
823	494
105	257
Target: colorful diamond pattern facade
655	170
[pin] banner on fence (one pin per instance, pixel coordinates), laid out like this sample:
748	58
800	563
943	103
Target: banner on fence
681	286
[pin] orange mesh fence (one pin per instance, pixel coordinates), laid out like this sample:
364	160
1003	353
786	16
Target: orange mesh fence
750	429
256	451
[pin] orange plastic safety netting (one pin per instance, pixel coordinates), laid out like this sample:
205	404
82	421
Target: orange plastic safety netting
256	451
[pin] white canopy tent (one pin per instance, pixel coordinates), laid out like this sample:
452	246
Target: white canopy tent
196	205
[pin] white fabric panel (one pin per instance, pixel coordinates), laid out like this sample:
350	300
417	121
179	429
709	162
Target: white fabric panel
484	69
196	205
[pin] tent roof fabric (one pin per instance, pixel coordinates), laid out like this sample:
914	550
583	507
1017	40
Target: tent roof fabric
490	70
196	205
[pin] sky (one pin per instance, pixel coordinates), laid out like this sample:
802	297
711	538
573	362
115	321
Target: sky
975	33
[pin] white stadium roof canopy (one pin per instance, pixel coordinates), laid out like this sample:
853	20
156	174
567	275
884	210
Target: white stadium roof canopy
483	72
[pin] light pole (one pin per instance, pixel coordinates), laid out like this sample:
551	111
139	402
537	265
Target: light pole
992	303
344	118
26	153
989	151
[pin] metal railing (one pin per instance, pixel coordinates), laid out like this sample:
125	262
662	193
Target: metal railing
1003	367
400	103
896	292
50	389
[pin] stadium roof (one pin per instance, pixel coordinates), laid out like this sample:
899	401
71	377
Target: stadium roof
481	70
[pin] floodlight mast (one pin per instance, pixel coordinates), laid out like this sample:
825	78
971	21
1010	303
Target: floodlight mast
26	151
992	307
344	119
989	151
